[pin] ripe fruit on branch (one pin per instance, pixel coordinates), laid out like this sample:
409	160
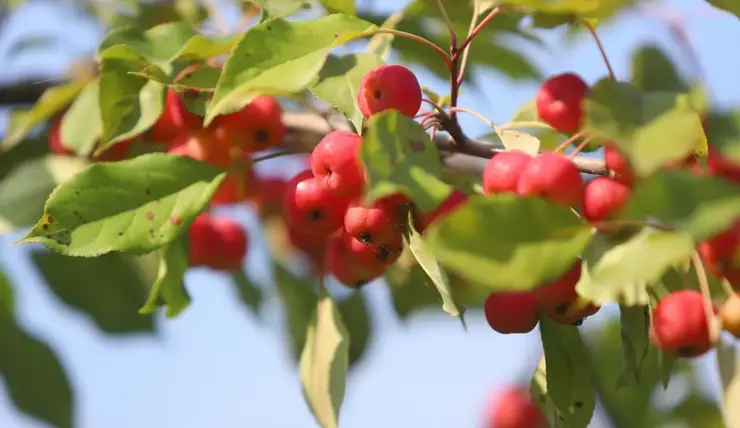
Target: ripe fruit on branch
558	102
680	326
721	253
730	315
514	312
618	164
175	119
347	269
204	146
602	197
268	197
56	146
389	87
559	299
513	408
335	164
502	172
217	242
309	207
455	200
721	167
258	126
553	177
375	256
237	186
378	223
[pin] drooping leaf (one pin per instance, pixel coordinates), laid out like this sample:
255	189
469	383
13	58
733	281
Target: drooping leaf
51	101
279	57
81	127
699	205
25	189
539	395
280	8
653	71
356	318
299	302
696	410
729	6
34	379
568	384
129	105
651	128
622	271
398	156
168	42
411	290
635	322
169	288
134	205
109	289
7	295
723	129
492	241
728	363
249	294
339	83
324	363
340	6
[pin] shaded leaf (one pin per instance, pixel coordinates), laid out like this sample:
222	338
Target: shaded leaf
699	205
635	322
356	318
299	302
696	411
134	205
25	189
621	271
324	363
109	289
339	83
340	6
727	5
398	156
723	129
539	395
51	101
380	44
653	71
169	288
411	290
297	52
492	241
81	126
280	8
7	295
249	294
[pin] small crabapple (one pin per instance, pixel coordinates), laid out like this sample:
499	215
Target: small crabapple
454	201
268	198
501	173
720	166
347	269
603	197
618	164
378	222
679	326
175	119
204	146
511	312
217	242
310	208
721	253
730	315
376	255
258	126
116	152
553	177
335	164
237	186
56	145
559	298
389	87
513	408
558	102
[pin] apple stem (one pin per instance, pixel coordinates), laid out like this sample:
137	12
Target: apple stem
592	30
445	56
474	113
569	141
701	276
433	104
492	14
273	155
580	147
466	50
728	288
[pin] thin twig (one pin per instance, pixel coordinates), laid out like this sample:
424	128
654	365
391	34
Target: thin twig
450	26
474	113
478	29
272	156
592	30
569	141
419	39
728	288
466	51
580	147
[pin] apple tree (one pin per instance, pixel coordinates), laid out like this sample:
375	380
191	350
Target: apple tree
624	191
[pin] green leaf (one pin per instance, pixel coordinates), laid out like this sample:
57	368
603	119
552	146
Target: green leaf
440	100
380	44
492	241
548	137
34	379
81	126
622	271
602	8
280	8
729	6
728	363
635	321
129	105
340	6
324	363
568	385
168	42
723	130
249	294
699	205
694	411
109	289
339	82
134	205
411	290
170	283
652	129
433	270
398	156
517	140
653	71
299	302
356	318
51	101
25	189
297	53
7	295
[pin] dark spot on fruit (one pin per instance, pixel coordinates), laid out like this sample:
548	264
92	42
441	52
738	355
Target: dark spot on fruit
383	254
578	323
377	94
50	219
562	308
149	215
176	220
314	215
365	238
262	136
687	351
577	404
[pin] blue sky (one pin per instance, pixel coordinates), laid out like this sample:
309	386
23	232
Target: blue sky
217	366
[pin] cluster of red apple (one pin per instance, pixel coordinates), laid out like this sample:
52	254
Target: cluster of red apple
324	208
512	407
216	242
